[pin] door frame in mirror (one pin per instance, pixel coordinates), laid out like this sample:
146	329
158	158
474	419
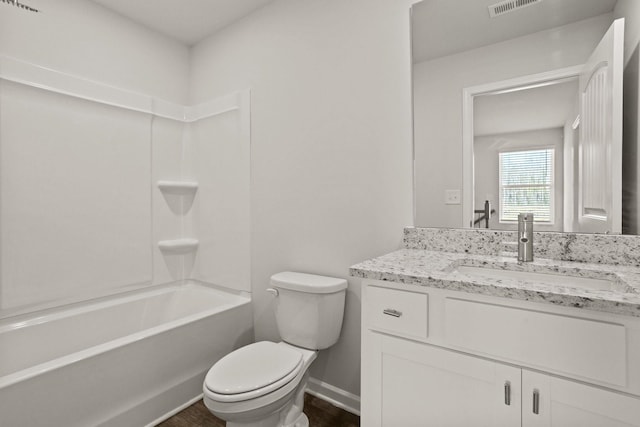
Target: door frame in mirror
468	93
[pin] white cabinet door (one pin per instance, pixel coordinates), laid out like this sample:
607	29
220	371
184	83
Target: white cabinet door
563	403
424	385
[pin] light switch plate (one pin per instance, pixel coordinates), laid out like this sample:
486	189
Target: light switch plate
452	197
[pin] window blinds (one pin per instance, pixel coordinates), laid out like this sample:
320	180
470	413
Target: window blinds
526	184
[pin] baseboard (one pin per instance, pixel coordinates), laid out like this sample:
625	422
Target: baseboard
334	395
175	411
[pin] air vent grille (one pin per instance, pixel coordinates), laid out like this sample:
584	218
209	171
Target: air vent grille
22	6
509	6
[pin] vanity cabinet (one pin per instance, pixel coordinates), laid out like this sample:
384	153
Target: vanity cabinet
548	401
422	385
432	357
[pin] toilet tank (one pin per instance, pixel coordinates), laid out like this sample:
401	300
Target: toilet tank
309	308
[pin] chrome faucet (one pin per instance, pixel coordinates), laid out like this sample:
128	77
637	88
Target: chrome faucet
525	237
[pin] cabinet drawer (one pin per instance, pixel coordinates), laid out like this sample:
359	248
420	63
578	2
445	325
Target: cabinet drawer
400	312
578	347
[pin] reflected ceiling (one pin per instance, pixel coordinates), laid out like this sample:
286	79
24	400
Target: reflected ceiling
545	107
460	25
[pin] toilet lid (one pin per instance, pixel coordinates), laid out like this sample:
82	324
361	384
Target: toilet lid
257	366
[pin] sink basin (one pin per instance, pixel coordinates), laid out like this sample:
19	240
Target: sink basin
611	283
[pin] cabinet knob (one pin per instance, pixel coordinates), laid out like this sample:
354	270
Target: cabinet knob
536	401
392	312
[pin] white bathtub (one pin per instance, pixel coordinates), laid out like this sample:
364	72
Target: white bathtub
128	361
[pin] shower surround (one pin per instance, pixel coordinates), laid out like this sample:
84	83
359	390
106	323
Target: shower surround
124	246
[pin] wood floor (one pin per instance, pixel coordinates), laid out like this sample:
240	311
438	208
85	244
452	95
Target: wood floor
320	413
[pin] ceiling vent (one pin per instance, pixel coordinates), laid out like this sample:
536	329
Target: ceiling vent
509	6
22	6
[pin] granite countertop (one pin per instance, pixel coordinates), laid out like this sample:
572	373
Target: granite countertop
441	270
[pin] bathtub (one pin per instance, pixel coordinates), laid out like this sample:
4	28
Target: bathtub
131	360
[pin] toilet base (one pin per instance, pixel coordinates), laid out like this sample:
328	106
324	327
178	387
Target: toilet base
270	421
273	421
302	421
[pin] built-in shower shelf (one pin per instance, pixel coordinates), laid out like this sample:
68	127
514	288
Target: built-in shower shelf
178	187
178	246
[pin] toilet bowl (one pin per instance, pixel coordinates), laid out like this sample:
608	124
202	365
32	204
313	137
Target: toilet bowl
263	384
260	385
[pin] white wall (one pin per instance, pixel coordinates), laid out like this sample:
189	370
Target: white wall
330	147
438	86
82	38
630	10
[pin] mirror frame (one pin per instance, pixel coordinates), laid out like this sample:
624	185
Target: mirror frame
468	94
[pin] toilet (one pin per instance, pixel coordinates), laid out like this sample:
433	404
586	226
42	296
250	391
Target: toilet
262	384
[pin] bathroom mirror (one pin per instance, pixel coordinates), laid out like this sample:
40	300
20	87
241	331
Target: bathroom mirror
518	136
497	118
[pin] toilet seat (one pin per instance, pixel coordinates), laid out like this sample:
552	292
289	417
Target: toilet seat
253	371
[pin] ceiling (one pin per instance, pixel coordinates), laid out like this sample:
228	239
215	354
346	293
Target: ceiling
445	27
543	107
187	21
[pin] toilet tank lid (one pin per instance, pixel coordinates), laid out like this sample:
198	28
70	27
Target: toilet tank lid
310	283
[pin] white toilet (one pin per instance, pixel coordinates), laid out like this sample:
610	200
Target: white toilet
262	384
